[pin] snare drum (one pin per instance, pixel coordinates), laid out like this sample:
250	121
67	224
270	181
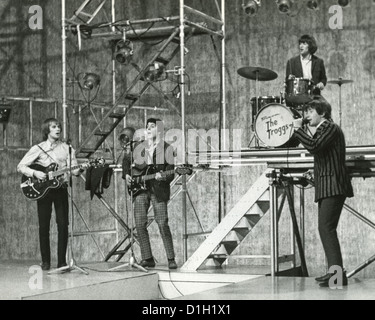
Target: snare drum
262	102
298	90
274	125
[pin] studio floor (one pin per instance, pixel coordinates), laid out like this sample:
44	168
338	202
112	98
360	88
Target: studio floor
24	280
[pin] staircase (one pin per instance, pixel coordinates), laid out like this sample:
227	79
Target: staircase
130	97
235	226
83	15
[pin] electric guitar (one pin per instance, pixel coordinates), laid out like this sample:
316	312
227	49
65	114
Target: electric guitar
139	181
35	189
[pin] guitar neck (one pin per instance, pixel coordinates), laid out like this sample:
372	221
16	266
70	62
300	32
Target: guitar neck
152	176
60	172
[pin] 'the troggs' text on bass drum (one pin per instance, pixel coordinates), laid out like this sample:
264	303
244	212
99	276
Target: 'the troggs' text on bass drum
274	125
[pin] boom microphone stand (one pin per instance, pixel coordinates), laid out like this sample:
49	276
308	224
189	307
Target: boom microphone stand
132	261
71	264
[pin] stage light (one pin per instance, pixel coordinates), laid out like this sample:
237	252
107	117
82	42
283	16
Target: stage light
154	72
313	4
251	7
285	6
343	3
123	52
90	81
4	113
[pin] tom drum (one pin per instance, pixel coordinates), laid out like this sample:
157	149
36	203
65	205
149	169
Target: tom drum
298	90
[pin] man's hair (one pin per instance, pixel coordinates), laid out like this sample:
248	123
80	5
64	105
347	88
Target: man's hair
152	120
46	124
321	106
310	40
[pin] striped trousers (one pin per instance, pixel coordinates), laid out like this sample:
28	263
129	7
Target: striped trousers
141	206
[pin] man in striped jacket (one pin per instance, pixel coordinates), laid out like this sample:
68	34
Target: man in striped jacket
332	181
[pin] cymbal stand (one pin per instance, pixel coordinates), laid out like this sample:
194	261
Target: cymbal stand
256	104
132	261
71	264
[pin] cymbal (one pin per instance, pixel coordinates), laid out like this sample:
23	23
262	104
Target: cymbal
340	81
257	73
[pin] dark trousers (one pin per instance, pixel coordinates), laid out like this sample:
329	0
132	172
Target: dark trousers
329	215
59	198
141	206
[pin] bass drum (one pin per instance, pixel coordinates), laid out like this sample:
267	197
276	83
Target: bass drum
274	126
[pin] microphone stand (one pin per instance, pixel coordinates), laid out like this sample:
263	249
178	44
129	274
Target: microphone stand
132	261
71	264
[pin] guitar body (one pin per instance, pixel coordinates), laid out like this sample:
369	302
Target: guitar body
35	189
139	184
140	177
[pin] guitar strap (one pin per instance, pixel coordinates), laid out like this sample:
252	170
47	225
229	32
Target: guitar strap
47	154
64	183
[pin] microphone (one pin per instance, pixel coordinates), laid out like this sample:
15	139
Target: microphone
305	121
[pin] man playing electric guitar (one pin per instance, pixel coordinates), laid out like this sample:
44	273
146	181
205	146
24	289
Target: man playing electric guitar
157	153
51	150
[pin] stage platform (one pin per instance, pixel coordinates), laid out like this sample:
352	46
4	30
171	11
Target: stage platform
24	280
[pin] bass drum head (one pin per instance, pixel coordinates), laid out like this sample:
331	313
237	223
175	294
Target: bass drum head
274	126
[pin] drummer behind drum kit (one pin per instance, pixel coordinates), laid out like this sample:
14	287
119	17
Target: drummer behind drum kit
272	116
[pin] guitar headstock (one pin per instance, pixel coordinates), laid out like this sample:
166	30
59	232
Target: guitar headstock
184	170
97	162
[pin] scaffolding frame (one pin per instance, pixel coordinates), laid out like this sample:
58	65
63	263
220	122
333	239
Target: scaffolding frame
184	27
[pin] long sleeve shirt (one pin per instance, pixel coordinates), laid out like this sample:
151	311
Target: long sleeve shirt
57	152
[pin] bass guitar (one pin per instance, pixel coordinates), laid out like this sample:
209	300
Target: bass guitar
139	181
35	189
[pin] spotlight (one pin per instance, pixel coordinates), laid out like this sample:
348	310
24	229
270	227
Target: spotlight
123	52
90	81
126	136
252	6
313	4
4	112
154	72
343	3
285	6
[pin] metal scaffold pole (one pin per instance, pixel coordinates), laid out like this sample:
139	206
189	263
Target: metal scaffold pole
182	81
63	64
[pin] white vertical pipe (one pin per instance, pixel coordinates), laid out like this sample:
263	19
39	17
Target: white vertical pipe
63	64
224	145
223	65
31	122
183	149
116	192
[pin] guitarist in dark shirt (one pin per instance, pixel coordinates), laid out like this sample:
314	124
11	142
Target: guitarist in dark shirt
51	150
152	156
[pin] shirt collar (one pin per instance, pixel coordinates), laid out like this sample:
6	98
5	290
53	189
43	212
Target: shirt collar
321	122
307	59
50	145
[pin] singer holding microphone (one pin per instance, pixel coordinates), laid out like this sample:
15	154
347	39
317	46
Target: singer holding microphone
332	180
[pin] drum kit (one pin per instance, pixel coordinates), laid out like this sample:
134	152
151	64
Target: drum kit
273	116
